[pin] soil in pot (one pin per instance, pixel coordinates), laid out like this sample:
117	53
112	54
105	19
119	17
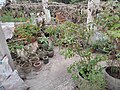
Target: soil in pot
45	59
37	65
112	77
113	71
51	53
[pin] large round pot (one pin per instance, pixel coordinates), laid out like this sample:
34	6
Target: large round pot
45	59
113	83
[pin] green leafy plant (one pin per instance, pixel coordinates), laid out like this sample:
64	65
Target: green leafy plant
88	69
23	35
102	45
27	31
8	16
108	22
13	46
68	53
51	47
44	42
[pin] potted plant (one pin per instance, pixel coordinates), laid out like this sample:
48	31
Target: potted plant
53	32
37	65
26	31
86	73
43	42
102	45
112	76
110	20
112	71
50	51
45	59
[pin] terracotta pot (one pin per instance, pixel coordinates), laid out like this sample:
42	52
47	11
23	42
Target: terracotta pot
45	59
112	82
37	65
51	53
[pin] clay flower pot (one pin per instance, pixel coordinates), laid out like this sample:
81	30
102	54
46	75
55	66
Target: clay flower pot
113	83
37	65
45	59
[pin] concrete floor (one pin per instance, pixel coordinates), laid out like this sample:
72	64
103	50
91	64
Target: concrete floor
53	76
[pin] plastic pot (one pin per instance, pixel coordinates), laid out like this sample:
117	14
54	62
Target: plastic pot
45	59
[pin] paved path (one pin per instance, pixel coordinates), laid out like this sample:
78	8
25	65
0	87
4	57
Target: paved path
53	76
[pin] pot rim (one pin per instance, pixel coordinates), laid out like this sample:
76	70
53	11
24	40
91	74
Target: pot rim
39	63
108	73
45	57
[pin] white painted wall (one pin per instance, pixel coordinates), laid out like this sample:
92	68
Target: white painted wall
2	2
4	48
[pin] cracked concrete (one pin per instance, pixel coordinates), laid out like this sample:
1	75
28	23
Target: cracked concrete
53	76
